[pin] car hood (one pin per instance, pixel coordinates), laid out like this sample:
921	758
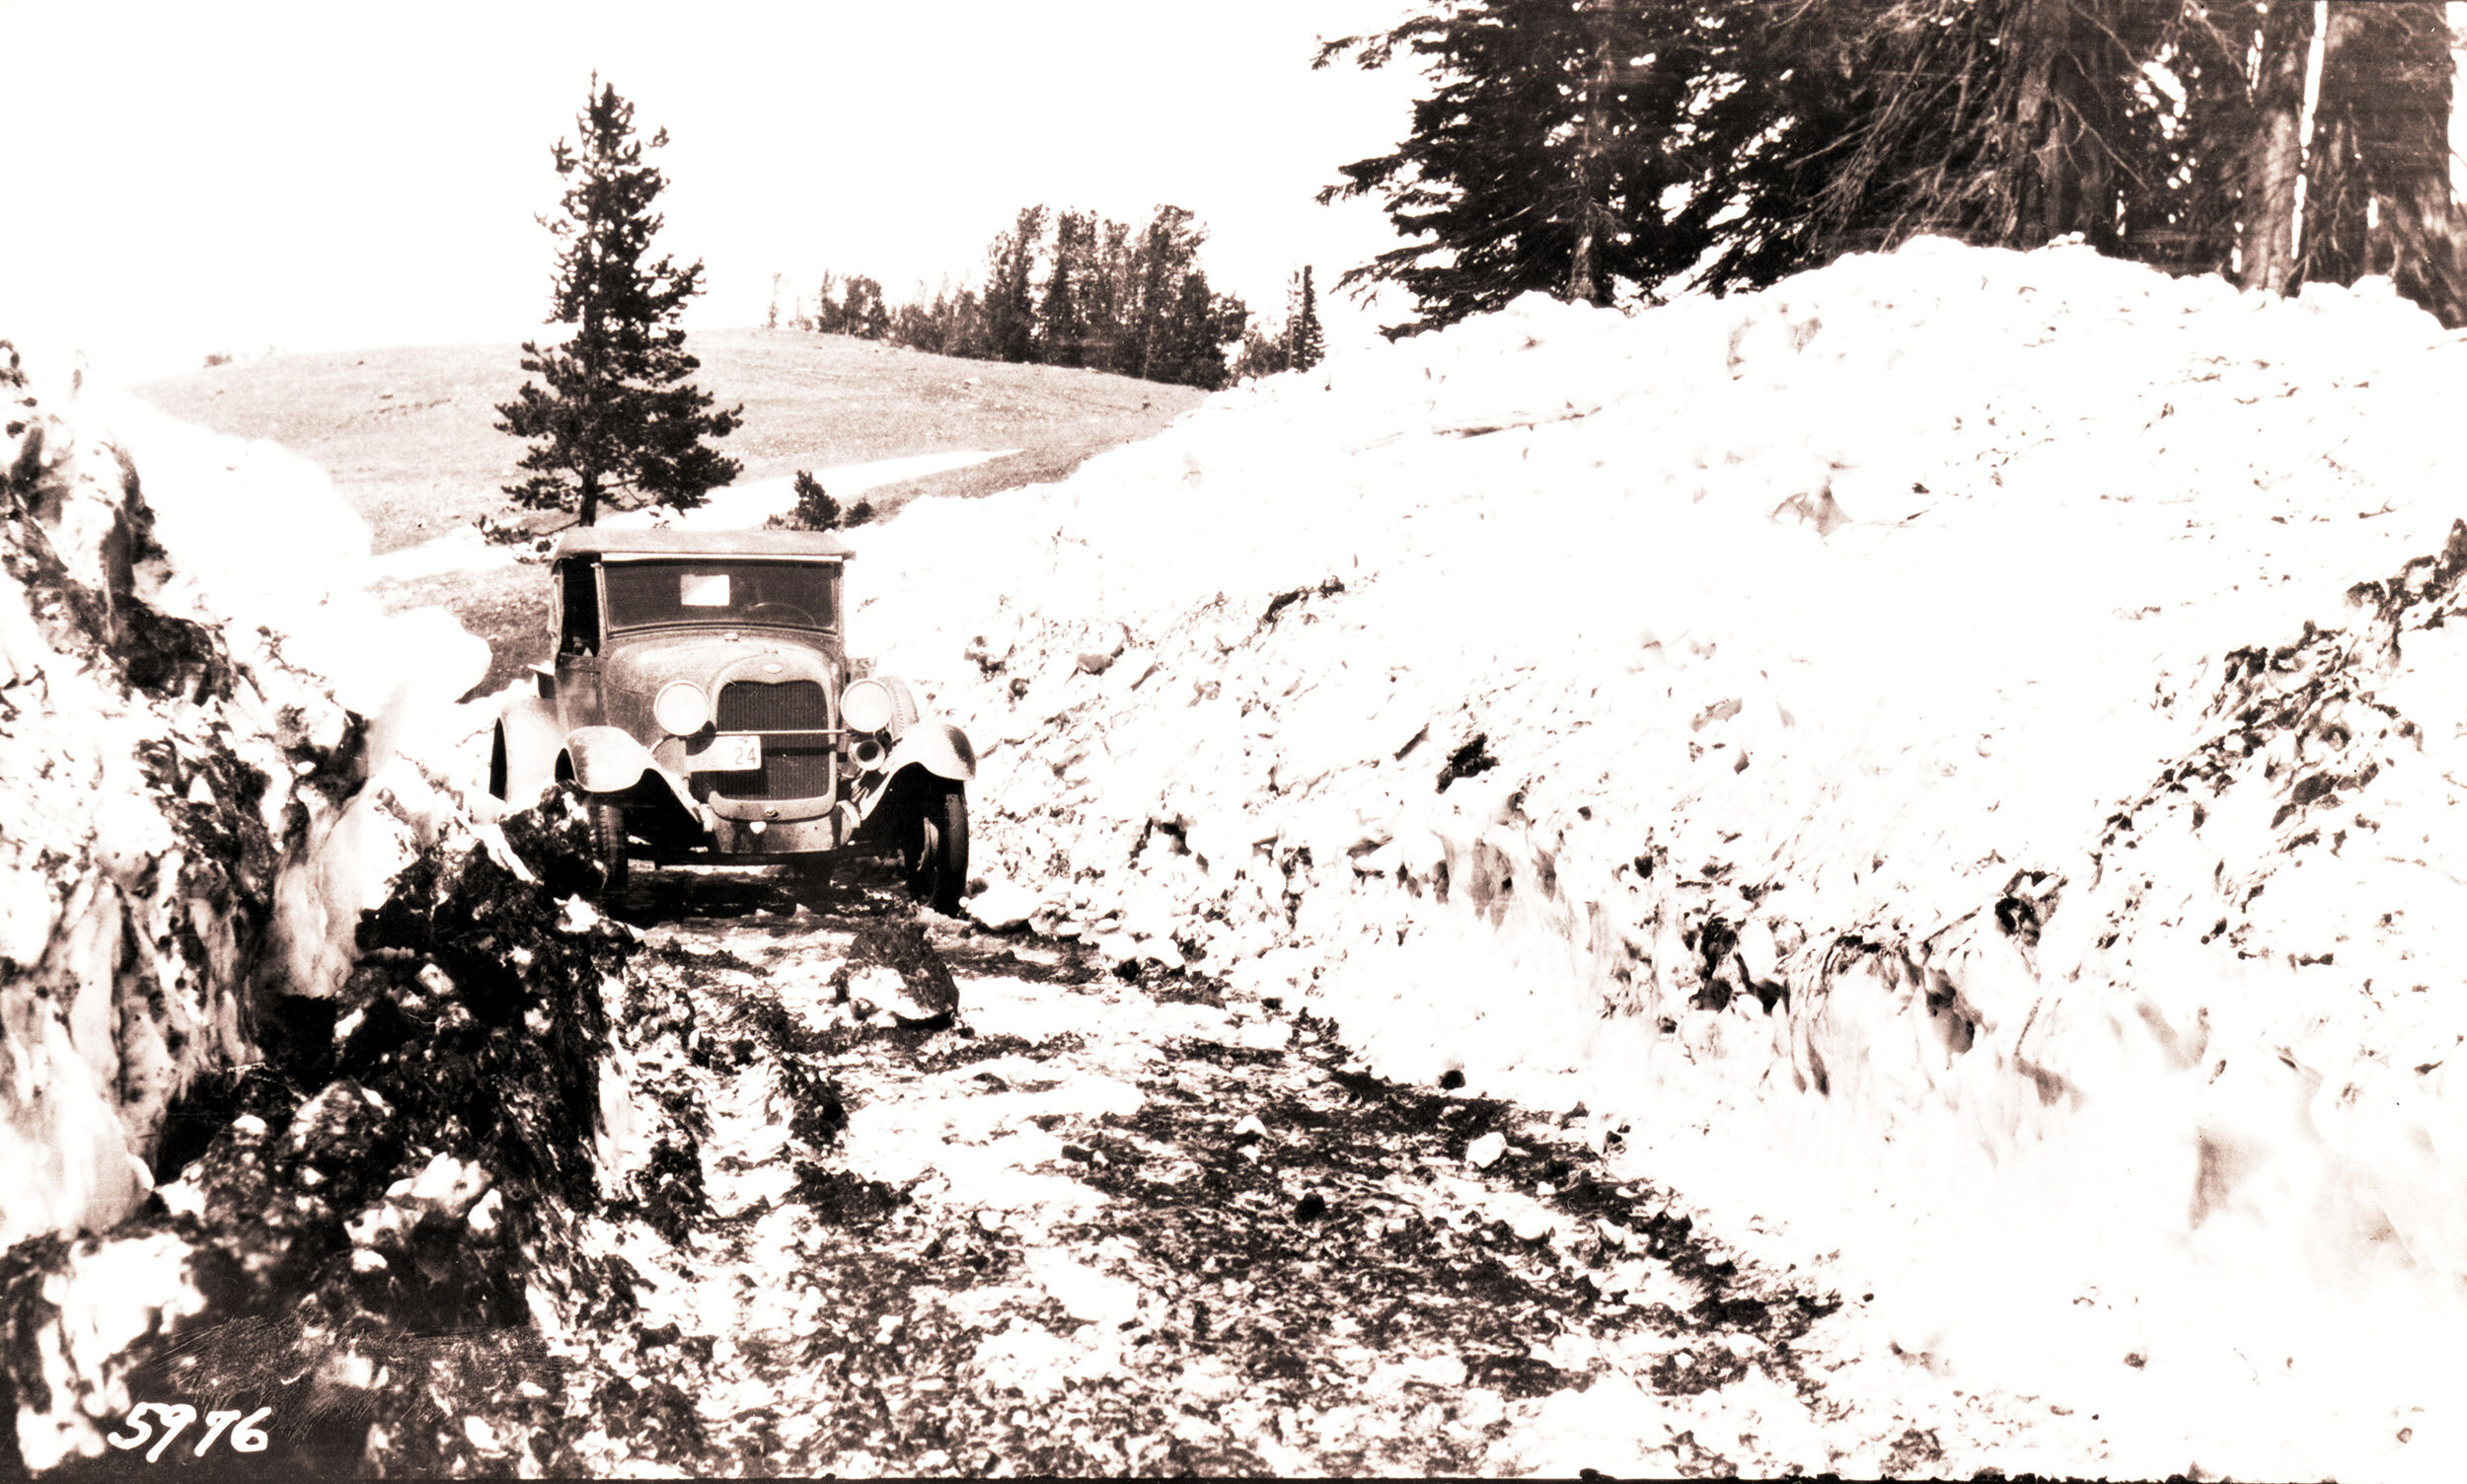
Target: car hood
641	666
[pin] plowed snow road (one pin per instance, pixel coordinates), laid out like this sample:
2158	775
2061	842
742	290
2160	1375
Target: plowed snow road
1093	1225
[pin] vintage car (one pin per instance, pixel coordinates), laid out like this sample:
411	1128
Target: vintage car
702	700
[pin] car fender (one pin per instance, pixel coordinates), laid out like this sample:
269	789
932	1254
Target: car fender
605	759
524	758
608	760
929	749
938	748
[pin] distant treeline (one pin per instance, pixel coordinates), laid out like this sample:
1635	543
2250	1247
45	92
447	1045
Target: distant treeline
1091	293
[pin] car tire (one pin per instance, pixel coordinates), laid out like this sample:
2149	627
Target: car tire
936	847
608	838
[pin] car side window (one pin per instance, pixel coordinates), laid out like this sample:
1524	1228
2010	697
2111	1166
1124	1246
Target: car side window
579	625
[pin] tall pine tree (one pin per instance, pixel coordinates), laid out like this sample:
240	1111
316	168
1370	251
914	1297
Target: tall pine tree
2275	162
2377	182
1154	304
1304	345
1591	148
1104	293
1541	159
2184	191
1009	304
1060	321
617	421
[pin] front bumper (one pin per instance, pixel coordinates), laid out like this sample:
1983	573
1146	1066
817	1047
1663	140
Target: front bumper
778	836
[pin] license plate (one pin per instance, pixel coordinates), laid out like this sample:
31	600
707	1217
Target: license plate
736	751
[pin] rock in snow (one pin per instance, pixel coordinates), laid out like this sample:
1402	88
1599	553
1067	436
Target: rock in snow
1003	907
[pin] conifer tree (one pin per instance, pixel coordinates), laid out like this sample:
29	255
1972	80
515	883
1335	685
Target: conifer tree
1541	159
1059	324
1110	302
1153	302
862	312
1304	345
1589	148
1263	353
1104	293
2184	193
2377	178
617	421
1187	347
2275	158
1009	305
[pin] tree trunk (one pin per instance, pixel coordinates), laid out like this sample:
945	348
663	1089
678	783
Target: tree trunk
2196	227
2377	188
1581	281
2402	123
2064	123
2275	160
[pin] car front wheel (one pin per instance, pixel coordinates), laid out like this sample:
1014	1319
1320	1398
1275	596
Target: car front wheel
934	852
608	838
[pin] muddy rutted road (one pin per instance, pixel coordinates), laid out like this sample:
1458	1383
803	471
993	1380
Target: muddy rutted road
1094	1224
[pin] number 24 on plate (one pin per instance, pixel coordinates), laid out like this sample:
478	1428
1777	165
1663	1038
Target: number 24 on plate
175	1417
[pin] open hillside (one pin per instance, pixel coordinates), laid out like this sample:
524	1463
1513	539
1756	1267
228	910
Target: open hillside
408	435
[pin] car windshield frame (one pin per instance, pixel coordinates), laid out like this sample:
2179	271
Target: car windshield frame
629	603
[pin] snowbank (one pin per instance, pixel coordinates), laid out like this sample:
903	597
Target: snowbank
1911	746
179	787
213	760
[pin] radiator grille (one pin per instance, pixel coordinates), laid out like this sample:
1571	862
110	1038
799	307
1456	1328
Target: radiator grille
786	772
796	705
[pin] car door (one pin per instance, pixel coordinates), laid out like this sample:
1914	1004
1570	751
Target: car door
582	632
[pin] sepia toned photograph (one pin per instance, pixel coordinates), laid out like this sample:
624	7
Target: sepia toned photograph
1342	738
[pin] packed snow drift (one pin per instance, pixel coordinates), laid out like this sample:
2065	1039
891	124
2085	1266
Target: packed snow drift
186	741
260	949
1955	751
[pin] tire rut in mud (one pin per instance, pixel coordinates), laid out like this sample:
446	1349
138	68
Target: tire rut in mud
1089	1224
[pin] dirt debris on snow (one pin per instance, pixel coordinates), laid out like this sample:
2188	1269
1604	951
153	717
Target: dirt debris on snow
1101	1223
379	1243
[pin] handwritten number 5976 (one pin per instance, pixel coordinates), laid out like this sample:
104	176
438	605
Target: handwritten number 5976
176	1416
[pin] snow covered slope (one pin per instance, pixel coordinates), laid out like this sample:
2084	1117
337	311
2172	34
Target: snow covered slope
1953	752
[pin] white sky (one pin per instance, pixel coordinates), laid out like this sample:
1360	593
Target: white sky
189	176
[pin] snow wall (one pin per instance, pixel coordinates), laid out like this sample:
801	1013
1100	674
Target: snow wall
257	937
1955	755
186	830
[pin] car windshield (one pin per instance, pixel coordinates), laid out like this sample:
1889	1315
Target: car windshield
797	595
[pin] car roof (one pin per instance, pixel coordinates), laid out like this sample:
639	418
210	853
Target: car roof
596	541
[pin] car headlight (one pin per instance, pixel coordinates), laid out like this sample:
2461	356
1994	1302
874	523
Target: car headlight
866	707
681	709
